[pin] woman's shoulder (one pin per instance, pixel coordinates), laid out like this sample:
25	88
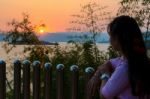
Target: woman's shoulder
115	61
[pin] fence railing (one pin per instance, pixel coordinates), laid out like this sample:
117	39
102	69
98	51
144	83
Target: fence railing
26	87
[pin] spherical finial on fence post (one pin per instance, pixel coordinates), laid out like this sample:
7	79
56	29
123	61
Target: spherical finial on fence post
74	79
47	65
60	67
36	63
74	68
26	79
26	62
89	70
48	80
2	62
60	81
36	79
17	79
2	79
16	62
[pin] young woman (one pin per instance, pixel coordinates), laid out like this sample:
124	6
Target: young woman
128	76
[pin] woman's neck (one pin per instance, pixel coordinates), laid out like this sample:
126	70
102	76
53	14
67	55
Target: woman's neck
122	55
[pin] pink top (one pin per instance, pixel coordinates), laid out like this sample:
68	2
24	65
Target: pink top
118	85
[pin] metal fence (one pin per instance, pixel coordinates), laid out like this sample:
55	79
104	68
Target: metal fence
25	88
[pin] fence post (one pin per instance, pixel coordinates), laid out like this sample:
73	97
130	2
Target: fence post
60	81
2	79
48	80
74	77
36	80
26	79
17	79
89	72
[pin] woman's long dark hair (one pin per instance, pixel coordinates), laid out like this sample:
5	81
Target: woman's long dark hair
130	37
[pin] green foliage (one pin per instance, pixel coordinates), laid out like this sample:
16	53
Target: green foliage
112	53
38	52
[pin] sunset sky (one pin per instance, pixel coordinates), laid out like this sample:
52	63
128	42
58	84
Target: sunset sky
54	13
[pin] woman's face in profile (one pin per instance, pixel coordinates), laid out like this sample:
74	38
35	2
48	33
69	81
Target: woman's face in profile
114	42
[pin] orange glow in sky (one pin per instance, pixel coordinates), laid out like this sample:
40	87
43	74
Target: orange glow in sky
41	30
54	13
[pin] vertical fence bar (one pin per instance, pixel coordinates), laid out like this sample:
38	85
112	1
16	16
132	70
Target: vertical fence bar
36	80
89	72
48	80
60	81
26	79
74	78
17	79
2	79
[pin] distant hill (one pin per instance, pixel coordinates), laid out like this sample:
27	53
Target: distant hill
67	36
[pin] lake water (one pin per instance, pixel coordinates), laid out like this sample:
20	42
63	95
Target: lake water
17	52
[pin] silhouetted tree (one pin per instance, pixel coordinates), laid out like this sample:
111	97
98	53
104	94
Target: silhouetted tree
92	19
22	32
140	10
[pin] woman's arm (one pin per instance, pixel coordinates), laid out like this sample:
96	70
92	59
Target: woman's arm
95	81
116	84
103	82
